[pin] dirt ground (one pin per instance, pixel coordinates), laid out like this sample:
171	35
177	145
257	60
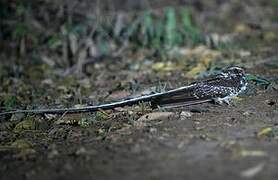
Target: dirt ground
206	141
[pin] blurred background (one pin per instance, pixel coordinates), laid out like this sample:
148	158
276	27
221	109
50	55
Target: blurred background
46	41
61	34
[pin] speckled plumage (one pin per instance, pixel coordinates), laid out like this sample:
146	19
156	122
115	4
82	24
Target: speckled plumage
222	87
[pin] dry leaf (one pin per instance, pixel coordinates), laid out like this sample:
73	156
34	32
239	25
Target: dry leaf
269	36
253	153
264	132
204	57
242	28
164	66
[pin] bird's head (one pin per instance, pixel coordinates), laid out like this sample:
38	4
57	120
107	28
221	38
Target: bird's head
235	71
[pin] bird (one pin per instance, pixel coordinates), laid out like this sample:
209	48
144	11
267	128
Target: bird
218	88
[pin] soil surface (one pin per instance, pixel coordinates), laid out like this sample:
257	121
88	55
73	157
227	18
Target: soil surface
206	141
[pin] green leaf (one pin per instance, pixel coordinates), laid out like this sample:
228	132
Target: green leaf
103	46
191	32
54	41
257	80
158	34
170	27
186	21
147	29
9	103
20	30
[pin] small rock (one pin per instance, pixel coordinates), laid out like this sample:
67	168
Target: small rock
81	151
47	81
53	153
243	53
153	130
156	116
119	95
247	113
50	116
185	114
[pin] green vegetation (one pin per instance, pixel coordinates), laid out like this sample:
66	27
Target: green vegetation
257	80
9	103
63	40
173	28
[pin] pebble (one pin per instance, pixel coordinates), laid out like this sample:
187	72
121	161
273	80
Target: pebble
185	114
247	113
155	116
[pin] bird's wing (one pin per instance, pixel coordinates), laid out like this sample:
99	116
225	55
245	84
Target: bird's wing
196	93
179	97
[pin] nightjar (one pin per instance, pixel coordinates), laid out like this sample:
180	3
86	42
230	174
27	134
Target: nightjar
229	83
220	88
